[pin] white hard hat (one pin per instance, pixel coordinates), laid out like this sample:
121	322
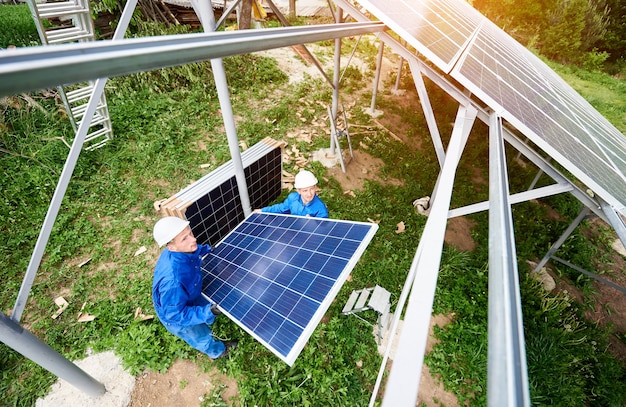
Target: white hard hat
166	229
305	179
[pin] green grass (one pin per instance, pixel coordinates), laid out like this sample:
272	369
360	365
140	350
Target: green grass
601	90
166	124
18	26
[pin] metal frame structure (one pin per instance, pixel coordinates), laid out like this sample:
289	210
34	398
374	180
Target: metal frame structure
36	68
507	374
28	69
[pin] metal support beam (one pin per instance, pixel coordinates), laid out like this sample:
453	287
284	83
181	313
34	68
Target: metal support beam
404	378
427	108
334	147
379	67
31	68
27	344
570	229
205	14
553	173
615	220
590	274
513	199
396	86
507	379
227	12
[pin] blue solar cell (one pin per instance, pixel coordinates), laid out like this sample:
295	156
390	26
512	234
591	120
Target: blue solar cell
233	278
319	288
345	247
246	282
271	295
259	287
286	303
301	259
316	262
334	267
265	246
285	276
249	263
303	311
241	307
230	300
274	275
255	315
329	245
340	230
285	338
271	324
302	281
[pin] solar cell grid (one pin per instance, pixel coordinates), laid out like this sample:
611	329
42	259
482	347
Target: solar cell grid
275	275
516	84
436	29
217	212
558	119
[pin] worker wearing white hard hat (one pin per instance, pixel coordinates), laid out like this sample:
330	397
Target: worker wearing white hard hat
303	202
177	288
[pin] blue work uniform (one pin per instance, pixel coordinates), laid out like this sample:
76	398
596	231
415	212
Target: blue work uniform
293	205
178	302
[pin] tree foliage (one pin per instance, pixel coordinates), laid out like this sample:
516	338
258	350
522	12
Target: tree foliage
614	40
567	31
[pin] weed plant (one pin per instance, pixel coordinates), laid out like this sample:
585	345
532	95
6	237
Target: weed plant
166	124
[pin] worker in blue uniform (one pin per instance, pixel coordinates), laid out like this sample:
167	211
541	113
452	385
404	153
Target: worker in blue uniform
304	201
177	287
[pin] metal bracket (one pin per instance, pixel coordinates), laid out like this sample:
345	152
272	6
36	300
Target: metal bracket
337	132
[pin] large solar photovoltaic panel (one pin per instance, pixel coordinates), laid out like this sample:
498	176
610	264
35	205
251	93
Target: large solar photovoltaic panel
515	84
276	275
217	213
435	29
212	204
529	95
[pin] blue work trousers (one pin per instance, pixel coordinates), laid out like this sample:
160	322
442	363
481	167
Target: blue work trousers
200	337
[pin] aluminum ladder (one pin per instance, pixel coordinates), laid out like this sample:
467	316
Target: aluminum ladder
60	22
374	298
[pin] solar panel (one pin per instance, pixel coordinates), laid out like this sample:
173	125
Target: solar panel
212	204
517	85
276	275
436	29
529	95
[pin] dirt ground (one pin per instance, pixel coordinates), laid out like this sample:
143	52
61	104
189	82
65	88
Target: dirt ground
182	385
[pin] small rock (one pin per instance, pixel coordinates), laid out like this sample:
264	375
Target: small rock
618	246
546	280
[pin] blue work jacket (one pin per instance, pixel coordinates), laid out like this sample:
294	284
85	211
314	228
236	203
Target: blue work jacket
293	205
177	287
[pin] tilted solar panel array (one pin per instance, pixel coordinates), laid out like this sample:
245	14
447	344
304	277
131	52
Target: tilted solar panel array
212	204
529	95
428	26
517	85
276	275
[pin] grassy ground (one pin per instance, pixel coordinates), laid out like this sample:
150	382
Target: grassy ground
166	124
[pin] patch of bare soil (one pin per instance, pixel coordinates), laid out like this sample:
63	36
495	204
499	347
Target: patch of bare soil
182	385
431	392
609	304
458	234
364	167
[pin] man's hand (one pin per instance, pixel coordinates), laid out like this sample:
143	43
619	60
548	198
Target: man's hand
216	311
